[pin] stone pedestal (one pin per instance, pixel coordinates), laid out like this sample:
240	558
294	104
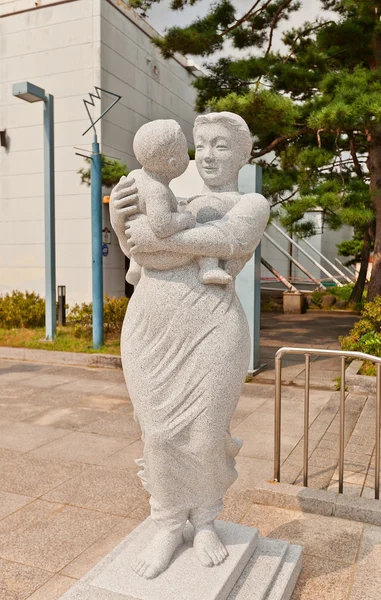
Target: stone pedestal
257	568
293	303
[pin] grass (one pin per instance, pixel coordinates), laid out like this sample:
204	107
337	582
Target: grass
65	340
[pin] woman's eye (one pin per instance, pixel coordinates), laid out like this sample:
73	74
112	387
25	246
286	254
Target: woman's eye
222	147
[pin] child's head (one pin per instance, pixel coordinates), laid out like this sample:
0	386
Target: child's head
160	146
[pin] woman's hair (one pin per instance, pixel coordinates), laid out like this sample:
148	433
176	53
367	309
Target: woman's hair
232	122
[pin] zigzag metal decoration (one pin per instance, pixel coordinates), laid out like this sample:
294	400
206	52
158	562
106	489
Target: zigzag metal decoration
97	96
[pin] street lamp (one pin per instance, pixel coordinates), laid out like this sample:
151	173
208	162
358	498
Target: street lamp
31	93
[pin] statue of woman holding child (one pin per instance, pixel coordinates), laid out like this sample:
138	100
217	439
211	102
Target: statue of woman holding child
185	340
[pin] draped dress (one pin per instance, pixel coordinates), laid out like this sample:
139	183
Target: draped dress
185	352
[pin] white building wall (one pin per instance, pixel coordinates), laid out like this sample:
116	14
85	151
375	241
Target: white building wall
151	88
67	49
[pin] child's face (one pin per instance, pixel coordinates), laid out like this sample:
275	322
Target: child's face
178	158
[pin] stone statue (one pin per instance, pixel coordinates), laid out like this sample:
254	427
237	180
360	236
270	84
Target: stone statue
185	345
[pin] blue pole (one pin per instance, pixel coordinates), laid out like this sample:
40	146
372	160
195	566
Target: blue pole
50	253
96	239
257	285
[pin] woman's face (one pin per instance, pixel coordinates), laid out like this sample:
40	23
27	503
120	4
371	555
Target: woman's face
218	159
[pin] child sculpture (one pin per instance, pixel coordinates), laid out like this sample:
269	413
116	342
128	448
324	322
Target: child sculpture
161	148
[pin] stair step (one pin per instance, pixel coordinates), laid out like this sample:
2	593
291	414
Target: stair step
270	574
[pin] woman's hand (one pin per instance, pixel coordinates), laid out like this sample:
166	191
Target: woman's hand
124	199
140	237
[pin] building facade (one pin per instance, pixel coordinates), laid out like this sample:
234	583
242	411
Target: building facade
68	47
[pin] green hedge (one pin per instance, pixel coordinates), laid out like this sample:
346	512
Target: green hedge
27	310
365	336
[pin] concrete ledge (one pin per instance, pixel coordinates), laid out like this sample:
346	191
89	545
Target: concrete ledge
358	509
284	495
359	383
79	359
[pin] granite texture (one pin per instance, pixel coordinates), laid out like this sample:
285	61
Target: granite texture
185	340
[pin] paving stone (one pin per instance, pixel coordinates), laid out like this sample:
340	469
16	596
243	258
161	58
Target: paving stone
9	503
320	536
53	589
125	458
116	424
45	381
54	541
323	579
94	553
18	411
17	581
68	417
88	386
101	402
34	476
367	578
26	436
28	516
80	447
99	488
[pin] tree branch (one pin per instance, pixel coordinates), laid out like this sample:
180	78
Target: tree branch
274	23
250	13
282	139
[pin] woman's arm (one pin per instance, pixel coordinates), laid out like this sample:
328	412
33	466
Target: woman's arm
236	235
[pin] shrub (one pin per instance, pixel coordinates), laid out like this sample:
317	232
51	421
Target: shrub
20	309
114	309
365	336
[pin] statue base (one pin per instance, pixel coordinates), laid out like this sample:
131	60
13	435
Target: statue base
257	568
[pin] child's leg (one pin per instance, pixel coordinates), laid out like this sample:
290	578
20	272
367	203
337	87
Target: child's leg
134	272
210	272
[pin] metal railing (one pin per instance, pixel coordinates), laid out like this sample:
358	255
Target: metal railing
308	352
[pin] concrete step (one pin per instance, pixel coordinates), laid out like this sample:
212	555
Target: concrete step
256	569
271	573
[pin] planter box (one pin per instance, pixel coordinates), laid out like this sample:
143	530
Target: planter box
293	303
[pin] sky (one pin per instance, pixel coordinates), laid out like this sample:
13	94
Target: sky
161	17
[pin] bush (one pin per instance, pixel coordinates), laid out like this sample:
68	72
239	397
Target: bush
365	336
22	310
114	309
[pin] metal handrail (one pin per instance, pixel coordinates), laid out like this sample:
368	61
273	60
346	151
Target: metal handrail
308	352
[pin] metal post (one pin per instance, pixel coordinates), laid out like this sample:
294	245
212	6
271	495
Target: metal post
306	418
303	269
326	260
50	254
280	277
61	305
96	239
342	425
315	262
351	272
378	414
278	416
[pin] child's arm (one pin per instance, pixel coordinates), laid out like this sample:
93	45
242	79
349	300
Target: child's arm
162	220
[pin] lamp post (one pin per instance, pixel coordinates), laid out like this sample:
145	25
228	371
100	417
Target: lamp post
31	93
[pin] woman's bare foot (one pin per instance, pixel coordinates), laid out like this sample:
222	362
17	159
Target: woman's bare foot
208	547
157	556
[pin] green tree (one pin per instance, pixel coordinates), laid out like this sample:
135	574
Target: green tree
316	105
112	171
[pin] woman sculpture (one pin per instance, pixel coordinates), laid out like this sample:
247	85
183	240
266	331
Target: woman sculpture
186	348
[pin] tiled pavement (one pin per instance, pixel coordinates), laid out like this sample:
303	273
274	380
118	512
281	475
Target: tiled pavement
69	490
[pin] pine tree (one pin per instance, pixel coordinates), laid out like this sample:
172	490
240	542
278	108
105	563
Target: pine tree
316	105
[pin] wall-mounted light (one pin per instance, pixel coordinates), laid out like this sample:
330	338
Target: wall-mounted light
3	138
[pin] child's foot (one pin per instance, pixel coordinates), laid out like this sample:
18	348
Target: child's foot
217	276
133	276
157	556
208	547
